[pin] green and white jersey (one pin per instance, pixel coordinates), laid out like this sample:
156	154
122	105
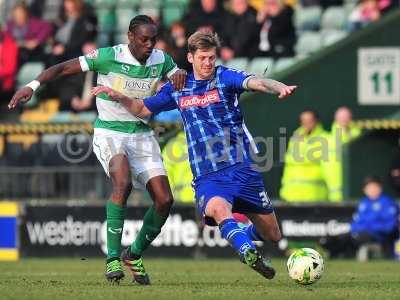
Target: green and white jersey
118	69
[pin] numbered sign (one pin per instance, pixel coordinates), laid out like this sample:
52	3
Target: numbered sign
379	76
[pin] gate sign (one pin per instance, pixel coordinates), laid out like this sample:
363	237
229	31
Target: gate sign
379	76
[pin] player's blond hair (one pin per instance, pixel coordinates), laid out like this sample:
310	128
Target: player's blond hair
203	40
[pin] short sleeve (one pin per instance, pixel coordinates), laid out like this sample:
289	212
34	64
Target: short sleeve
235	79
162	101
169	67
97	60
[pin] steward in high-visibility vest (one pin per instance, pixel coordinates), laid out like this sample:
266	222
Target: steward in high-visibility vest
333	167
303	179
176	163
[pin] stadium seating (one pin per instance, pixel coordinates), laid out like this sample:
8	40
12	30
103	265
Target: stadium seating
261	65
239	63
308	18
307	43
174	2
42	113
150	8
150	11
86	116
67	117
334	18
124	16
172	14
106	19
284	63
103	39
219	62
103	3
130	4
121	38
151	3
332	36
27	73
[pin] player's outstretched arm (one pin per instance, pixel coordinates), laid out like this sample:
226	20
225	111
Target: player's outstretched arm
135	106
266	85
25	93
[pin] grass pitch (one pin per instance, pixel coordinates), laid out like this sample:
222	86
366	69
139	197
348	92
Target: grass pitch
194	279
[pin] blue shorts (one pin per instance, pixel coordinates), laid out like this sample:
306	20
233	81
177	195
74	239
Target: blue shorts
239	184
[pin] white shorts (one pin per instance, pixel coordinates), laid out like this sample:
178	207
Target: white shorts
141	149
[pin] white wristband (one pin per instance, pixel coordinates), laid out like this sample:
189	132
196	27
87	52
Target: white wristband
34	85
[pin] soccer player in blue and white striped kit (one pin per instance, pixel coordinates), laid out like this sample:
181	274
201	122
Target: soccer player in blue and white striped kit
220	147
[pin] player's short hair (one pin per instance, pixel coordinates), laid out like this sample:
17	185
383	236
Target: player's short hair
140	20
203	40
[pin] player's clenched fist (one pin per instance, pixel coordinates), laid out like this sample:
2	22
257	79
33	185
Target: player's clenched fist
23	95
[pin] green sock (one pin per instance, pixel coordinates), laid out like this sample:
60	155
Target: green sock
115	226
152	223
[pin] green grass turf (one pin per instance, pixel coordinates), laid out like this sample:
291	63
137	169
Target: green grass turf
194	279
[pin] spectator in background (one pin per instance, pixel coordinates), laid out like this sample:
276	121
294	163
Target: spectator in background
53	10
387	5
242	31
277	33
162	44
343	131
376	220
45	9
85	100
8	69
74	37
206	15
178	46
75	29
30	33
366	12
303	179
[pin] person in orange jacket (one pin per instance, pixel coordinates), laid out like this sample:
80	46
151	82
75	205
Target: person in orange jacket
8	68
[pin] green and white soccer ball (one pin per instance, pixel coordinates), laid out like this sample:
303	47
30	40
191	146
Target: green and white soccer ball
305	266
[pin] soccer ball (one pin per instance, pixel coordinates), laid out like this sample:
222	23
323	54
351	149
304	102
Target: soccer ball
305	266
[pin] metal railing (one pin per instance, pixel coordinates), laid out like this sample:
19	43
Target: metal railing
69	182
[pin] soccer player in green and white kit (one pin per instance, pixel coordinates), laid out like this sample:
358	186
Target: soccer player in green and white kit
124	144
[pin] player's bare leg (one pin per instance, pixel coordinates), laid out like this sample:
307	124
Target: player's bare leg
266	226
221	211
155	217
161	194
121	187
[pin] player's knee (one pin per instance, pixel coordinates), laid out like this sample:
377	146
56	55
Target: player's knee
163	203
121	188
218	210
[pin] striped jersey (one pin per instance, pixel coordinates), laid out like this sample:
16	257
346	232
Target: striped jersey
215	131
118	69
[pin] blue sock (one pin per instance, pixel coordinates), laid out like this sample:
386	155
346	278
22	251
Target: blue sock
238	239
251	231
